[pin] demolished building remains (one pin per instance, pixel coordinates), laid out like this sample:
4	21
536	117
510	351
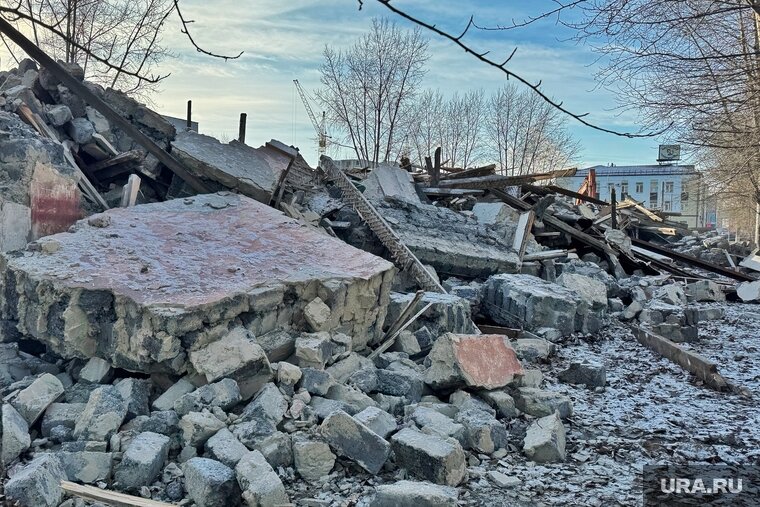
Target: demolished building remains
243	329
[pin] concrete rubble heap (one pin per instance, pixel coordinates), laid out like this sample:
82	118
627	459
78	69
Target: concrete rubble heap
210	349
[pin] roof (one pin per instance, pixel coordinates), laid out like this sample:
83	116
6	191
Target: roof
638	170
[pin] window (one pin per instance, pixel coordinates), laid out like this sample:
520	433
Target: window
653	186
639	187
668	187
666	206
684	196
653	199
624	190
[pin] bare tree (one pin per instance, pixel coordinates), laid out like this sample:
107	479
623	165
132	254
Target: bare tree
463	127
367	87
526	134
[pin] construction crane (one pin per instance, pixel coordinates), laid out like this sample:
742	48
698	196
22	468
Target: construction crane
318	126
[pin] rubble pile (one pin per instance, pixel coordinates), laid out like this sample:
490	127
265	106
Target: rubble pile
255	345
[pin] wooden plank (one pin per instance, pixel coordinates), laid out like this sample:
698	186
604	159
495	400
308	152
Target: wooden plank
546	254
548	189
123	158
701	367
450	192
469	173
694	261
506	331
131	189
109	497
733	264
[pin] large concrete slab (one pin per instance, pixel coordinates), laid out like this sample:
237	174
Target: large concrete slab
141	286
390	181
236	166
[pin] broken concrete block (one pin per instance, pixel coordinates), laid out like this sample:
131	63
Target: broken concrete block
749	292
223	394
225	448
448	313
316	382
102	416
278	345
96	371
38	483
61	414
210	483
15	437
260	483
545	440
414	494
533	349
169	397
88	467
704	290
407	343
32	401
314	350
517	300
155	319
80	130
236	356
593	291
539	403
501	401
482	432
267	409
165	422
353	440
142	461
485	361
407	382
631	311
379	421
354	398
434	422
313	459
429	457
277	449
198	427
58	115
136	394
591	374
317	315
343	369
288	375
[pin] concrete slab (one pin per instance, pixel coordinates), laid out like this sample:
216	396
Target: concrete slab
141	286
234	166
390	181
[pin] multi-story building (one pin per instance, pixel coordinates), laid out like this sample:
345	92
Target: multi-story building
672	188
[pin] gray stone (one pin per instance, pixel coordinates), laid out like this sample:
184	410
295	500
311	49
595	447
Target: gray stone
317	315
632	311
407	343
408	383
288	375
316	382
591	374
414	494
276	448
223	394
88	467
353	440
379	421
503	480
343	369
671	294
96	371
197	427
448	313
354	398
365	380
482	432
38	484
58	115
32	401
323	407
15	438
225	447
593	291
268	408
259	482
434	422
314	350
278	345
429	457
166	401
533	349
143	460
164	422
749	291
704	290
313	459
102	416
501	401
136	393
210	483
80	130
235	356
539	403
545	440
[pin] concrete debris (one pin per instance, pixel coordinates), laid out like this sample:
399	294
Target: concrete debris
379	421
95	371
313	459
260	484
545	440
89	467
590	374
37	483
429	457
414	494
143	460
102	416
749	292
355	441
198	427
210	483
15	437
32	401
539	403
223	394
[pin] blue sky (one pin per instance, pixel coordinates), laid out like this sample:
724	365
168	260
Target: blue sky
283	40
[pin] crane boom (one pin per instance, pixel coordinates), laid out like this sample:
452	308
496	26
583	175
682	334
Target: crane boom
319	127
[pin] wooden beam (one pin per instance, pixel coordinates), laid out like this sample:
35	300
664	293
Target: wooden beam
450	192
524	226
701	367
131	189
548	189
100	105
109	497
694	261
128	157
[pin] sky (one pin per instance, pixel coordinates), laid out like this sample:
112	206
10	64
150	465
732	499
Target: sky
283	40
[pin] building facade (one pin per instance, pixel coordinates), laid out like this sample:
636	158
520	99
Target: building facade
676	189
